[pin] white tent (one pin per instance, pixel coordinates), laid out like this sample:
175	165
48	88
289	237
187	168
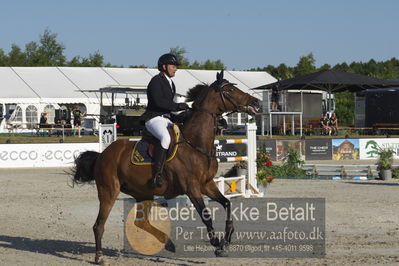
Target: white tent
37	89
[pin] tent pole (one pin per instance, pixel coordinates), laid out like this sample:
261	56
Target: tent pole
262	125
300	124
270	125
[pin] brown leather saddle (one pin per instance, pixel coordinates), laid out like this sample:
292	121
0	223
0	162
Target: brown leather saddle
143	151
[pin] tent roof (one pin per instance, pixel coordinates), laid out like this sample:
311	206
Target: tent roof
332	81
47	82
73	82
12	86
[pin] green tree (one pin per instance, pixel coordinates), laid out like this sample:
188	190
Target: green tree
306	65
138	66
50	50
3	58
180	52
345	107
390	68
76	61
32	54
284	72
342	67
325	67
213	65
16	57
94	60
185	63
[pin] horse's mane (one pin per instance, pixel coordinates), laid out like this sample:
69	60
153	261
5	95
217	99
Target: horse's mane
196	93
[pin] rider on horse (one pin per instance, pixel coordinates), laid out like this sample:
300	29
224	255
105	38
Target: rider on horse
160	93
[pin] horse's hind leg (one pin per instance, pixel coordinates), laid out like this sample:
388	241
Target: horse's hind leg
107	196
141	221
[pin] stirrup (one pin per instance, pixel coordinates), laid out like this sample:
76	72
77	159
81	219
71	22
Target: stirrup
157	180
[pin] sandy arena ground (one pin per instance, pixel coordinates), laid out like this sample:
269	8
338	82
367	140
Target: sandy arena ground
46	222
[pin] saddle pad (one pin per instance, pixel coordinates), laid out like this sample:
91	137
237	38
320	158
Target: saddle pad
140	155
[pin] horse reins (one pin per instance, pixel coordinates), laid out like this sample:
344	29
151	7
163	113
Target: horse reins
223	95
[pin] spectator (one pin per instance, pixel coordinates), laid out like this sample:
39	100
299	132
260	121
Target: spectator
58	127
68	127
333	123
44	123
77	120
325	129
8	119
275	98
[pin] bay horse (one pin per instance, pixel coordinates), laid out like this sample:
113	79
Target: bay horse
190	172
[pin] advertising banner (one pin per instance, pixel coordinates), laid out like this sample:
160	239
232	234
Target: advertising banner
268	146
369	147
107	134
230	150
318	149
282	147
345	149
42	155
264	228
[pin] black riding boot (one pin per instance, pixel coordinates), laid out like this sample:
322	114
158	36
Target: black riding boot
159	160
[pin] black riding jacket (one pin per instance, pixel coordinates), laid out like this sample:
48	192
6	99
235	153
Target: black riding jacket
160	98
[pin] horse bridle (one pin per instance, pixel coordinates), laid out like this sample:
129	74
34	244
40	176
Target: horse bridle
224	95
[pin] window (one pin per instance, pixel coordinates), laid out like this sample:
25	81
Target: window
31	116
18	114
232	119
50	110
244	118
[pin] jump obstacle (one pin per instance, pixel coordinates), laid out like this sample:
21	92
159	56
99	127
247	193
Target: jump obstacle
240	185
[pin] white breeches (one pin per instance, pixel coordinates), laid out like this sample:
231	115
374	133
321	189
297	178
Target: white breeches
158	127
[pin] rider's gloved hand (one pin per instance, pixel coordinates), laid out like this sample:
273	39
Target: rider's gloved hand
182	106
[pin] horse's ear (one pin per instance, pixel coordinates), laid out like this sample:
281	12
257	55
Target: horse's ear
219	76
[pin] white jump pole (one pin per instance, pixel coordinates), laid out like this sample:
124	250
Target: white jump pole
251	153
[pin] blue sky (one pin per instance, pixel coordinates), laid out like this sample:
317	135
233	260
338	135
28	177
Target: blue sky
242	34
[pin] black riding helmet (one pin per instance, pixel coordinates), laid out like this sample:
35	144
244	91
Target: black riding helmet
167	59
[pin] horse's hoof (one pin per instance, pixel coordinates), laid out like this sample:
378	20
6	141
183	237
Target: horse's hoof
100	260
215	242
220	253
169	246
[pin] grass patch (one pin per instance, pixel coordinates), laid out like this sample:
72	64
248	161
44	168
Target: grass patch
35	138
28	138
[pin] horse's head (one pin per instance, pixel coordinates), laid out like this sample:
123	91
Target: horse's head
232	98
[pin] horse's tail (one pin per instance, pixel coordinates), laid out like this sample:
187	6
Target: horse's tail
83	171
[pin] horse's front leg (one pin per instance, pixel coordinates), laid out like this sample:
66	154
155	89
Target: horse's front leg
198	202
212	191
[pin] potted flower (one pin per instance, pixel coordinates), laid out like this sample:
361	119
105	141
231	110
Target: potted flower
384	163
263	179
263	159
241	168
293	158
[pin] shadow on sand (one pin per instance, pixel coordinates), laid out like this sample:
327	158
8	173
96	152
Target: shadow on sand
374	183
69	250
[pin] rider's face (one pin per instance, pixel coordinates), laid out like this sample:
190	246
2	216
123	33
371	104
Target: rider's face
170	70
